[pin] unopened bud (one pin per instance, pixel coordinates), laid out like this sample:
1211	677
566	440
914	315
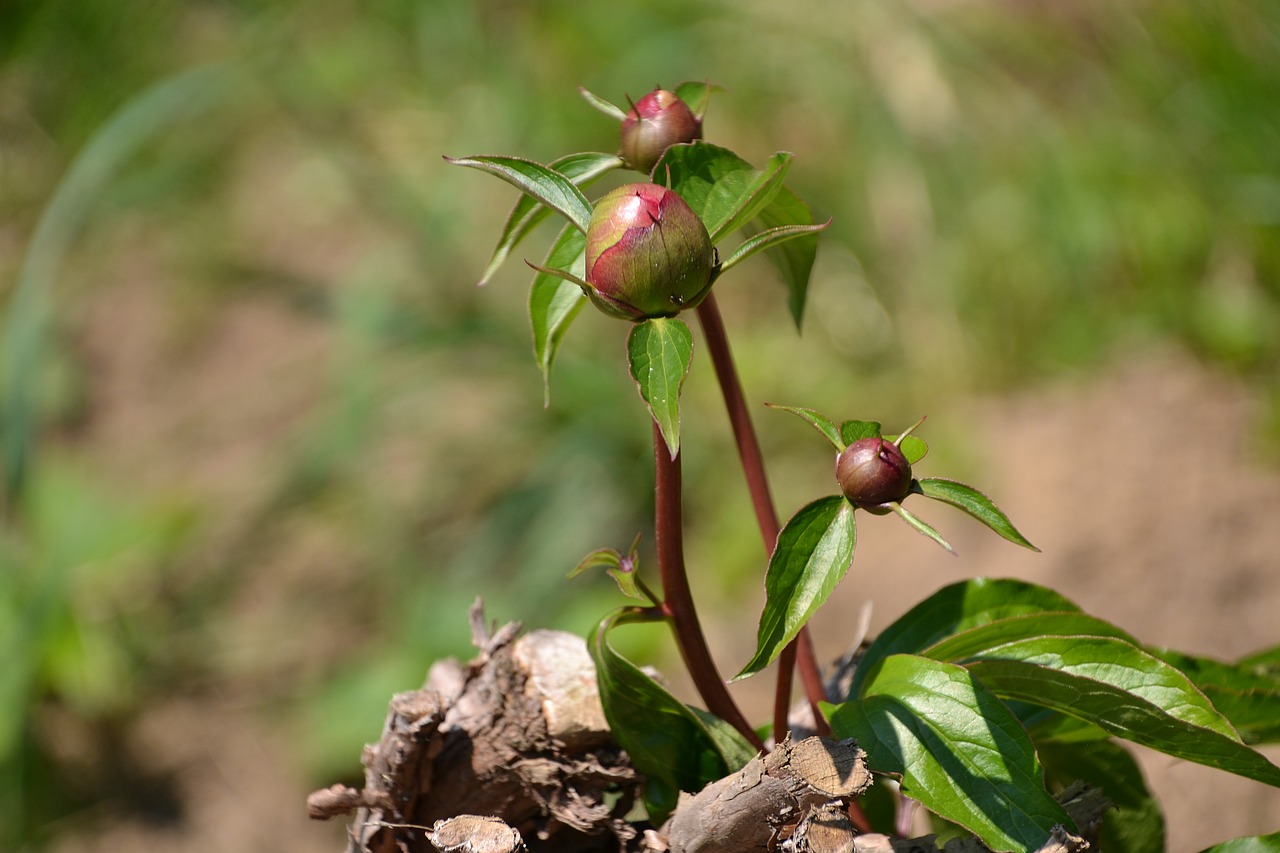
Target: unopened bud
873	472
656	122
648	253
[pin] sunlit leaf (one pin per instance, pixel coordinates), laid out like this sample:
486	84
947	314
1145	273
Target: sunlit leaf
793	259
813	553
659	352
956	747
921	526
976	504
721	187
817	419
697	94
851	431
580	169
1246	695
555	302
913	448
1253	844
536	180
982	638
767	240
611	110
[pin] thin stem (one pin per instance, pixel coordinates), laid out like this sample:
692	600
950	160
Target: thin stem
801	649
677	598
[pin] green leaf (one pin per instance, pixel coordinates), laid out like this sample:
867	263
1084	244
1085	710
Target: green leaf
1253	844
554	302
955	608
697	94
767	240
1125	691
793	259
976	504
659	352
817	420
982	638
814	551
958	750
1265	660
721	187
580	169
534	179
1135	824
613	111
851	431
921	526
1248	696
672	744
913	448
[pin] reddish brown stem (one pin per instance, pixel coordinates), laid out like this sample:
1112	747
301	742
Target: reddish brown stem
800	651
677	598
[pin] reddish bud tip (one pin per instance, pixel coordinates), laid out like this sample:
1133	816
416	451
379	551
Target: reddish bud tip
656	122
873	472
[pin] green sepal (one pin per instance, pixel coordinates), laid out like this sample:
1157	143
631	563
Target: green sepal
815	419
611	110
659	352
768	240
851	431
554	301
921	526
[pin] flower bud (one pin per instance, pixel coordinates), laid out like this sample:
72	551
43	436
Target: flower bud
873	472
657	121
648	253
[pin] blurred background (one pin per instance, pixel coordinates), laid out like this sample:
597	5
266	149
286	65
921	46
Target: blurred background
264	440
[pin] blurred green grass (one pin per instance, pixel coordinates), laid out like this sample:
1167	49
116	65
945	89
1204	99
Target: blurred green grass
278	439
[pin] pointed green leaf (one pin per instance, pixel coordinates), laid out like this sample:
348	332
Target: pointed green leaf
793	259
580	169
976	504
601	558
1253	844
609	109
697	94
851	431
1125	691
817	419
555	302
913	448
1246	695
1135	823
955	608
767	240
534	179
981	638
921	526
671	744
1264	661
659	352
721	187
958	750
813	553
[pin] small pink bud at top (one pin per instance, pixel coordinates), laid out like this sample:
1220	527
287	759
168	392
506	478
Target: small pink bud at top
873	472
648	253
656	122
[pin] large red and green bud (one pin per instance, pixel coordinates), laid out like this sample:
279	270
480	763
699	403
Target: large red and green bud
873	472
656	122
648	253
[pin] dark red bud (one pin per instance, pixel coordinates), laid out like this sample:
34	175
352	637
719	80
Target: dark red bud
657	121
873	472
648	253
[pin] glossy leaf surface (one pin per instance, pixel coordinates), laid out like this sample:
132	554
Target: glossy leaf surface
815	419
555	302
813	553
536	180
659	352
976	504
721	187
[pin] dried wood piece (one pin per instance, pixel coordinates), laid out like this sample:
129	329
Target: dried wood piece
475	834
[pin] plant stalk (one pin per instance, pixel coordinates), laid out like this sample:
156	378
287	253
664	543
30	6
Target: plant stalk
677	598
799	651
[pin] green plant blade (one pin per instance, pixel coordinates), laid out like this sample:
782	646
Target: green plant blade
1264	660
554	302
958	750
536	180
1246	695
913	448
817	420
793	259
921	526
976	504
612	110
580	169
982	638
674	746
1124	691
659	352
697	95
721	187
1253	844
767	240
851	431
814	551
955	608
1135	824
